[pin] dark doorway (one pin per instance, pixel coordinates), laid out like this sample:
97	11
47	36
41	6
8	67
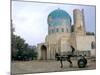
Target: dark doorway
43	52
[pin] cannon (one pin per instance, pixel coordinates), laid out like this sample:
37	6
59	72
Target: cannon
81	60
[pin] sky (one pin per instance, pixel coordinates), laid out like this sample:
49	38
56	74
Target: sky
30	19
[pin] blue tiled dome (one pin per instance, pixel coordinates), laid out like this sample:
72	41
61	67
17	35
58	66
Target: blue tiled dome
59	17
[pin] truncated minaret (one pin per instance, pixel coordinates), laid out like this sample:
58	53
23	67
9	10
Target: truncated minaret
79	23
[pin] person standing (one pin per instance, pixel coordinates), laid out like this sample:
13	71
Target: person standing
71	55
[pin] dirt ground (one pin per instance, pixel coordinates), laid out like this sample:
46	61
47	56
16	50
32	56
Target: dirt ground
37	66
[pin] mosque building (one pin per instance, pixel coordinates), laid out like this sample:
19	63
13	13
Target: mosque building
62	35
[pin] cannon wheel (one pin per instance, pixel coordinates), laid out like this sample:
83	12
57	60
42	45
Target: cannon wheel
82	63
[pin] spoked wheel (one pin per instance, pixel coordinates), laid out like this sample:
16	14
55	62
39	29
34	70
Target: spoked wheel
82	63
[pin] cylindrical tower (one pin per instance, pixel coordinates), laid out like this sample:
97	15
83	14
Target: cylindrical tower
78	16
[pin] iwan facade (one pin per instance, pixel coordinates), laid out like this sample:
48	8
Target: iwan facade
62	35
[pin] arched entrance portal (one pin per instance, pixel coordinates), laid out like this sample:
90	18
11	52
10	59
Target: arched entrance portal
43	52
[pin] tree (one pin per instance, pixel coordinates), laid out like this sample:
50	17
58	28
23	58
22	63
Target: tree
90	33
19	49
17	45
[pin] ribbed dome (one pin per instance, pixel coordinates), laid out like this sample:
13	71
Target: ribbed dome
59	17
